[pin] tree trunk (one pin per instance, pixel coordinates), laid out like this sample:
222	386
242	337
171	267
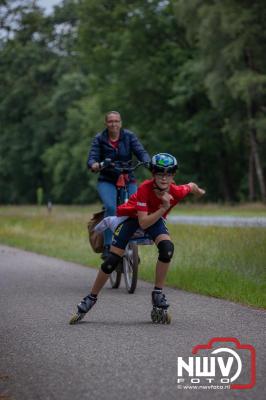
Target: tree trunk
251	191
224	171
252	108
257	162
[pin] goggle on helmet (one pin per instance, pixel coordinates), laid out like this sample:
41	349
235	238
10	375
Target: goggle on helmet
163	162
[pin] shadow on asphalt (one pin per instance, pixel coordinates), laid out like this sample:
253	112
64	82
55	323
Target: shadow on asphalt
117	323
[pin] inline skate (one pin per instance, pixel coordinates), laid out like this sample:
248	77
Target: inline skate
83	307
159	312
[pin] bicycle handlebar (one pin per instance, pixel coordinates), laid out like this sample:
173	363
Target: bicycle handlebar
122	166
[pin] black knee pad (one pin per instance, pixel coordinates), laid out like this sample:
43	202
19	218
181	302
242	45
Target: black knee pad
166	251
111	262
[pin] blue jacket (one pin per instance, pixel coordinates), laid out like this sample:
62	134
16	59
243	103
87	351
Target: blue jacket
127	146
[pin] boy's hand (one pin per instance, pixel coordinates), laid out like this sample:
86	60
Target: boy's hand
166	199
196	190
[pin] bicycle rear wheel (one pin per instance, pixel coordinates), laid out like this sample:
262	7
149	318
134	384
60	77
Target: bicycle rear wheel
115	277
130	267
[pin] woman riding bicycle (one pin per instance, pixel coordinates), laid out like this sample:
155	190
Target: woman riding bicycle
117	144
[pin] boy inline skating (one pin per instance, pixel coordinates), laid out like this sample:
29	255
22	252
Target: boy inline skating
146	209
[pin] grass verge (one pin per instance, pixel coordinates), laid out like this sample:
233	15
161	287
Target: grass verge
228	263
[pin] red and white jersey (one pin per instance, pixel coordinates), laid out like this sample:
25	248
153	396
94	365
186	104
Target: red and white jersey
146	200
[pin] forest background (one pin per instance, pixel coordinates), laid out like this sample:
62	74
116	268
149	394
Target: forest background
188	76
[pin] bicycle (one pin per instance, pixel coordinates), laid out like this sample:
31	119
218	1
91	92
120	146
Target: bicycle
130	261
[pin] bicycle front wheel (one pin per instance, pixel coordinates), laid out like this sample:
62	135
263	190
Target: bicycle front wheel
115	277
130	267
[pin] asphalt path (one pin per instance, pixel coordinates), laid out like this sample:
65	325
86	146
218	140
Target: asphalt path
116	352
218	220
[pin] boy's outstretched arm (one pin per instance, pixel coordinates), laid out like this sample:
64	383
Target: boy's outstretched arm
196	190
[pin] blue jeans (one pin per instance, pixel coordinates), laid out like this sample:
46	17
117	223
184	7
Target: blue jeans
108	194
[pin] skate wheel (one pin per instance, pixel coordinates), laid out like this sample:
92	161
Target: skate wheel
168	318
76	318
160	316
154	316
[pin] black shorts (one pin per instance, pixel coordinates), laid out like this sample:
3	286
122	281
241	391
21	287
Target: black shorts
126	230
